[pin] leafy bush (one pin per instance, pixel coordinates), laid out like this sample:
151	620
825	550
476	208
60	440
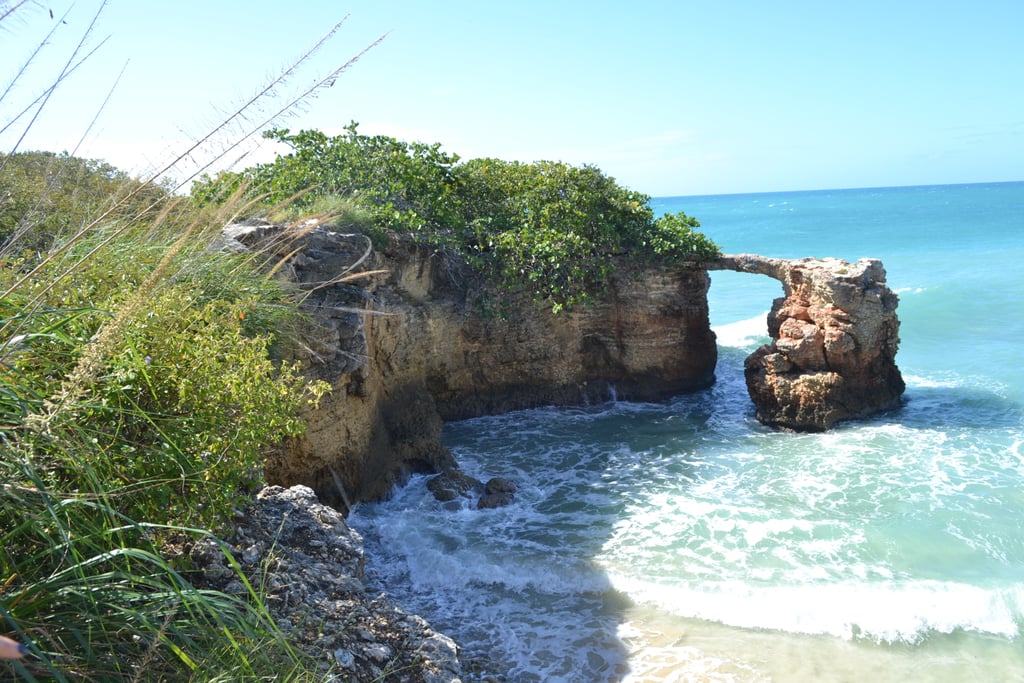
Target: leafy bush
405	185
674	237
183	400
44	196
552	229
137	397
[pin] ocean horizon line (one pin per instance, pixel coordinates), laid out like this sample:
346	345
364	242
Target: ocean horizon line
866	188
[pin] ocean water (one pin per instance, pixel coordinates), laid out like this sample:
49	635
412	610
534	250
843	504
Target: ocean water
683	541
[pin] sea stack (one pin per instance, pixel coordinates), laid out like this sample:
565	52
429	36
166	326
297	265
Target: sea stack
834	339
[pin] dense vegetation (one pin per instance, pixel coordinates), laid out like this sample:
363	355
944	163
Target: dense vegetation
137	396
43	195
139	387
140	379
555	230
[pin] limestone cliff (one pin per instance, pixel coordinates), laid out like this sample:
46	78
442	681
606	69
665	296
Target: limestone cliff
411	346
406	340
834	339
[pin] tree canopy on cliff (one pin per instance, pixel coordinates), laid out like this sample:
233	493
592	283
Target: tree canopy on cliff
45	196
553	229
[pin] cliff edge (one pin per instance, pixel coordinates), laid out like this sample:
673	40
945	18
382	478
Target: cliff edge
406	340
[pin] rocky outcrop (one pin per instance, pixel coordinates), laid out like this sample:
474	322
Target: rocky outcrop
408	338
454	488
407	341
310	564
834	339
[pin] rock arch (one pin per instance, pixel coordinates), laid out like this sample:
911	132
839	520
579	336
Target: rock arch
405	347
834	340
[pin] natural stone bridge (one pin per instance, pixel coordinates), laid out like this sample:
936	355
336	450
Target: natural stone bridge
398	336
834	339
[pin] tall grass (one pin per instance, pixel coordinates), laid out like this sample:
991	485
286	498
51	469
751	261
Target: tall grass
136	397
91	592
139	388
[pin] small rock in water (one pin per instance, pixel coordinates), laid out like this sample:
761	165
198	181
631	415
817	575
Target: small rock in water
489	501
498	492
500	485
453	483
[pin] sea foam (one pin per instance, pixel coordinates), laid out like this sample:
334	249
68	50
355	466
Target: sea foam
889	612
743	333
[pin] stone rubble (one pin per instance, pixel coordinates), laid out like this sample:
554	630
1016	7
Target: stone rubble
311	564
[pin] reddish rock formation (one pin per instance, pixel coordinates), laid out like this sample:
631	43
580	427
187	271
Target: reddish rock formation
835	336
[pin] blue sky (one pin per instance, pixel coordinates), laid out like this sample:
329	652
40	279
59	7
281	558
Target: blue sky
670	98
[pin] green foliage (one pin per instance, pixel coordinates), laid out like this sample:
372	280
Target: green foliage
91	593
405	185
180	407
137	397
554	228
674	236
551	229
44	196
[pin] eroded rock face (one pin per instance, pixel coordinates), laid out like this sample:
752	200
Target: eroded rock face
835	334
403	340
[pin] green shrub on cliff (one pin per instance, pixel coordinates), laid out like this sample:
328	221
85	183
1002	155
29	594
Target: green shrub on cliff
44	196
137	396
406	186
554	230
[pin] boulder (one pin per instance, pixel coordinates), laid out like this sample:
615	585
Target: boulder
498	492
454	483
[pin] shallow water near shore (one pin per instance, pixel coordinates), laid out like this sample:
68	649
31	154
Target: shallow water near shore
683	541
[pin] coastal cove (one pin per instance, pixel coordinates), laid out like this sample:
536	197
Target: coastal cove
682	540
381	354
418	348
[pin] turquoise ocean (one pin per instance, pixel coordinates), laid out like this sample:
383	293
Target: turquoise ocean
684	541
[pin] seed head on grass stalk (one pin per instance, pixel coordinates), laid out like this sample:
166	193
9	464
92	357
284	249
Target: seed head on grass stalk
143	401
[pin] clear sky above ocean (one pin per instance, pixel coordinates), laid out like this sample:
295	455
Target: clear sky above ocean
669	97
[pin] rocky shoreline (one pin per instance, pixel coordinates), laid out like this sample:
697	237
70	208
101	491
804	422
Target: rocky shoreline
311	565
404	349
